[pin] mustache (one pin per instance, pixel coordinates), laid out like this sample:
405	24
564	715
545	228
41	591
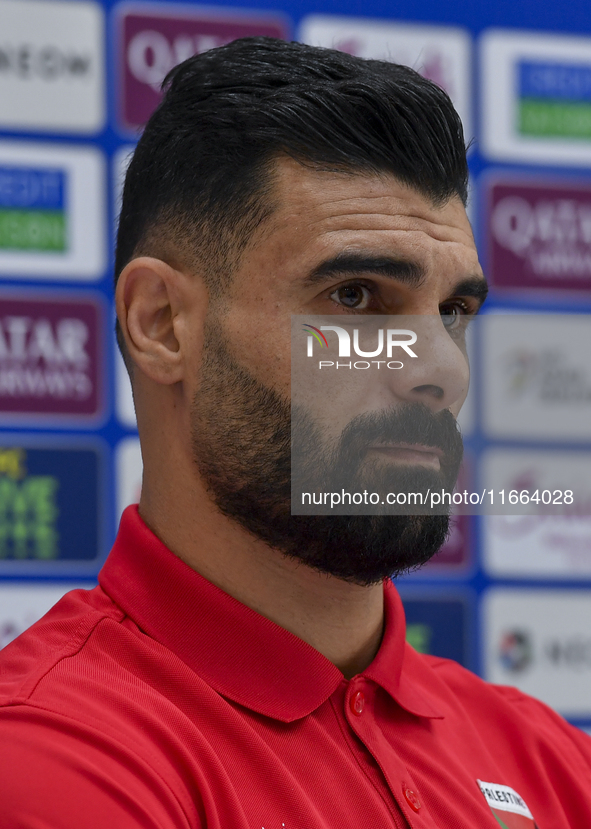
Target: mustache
346	464
408	423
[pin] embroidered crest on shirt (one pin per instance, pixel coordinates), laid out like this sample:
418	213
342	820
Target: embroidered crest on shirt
508	807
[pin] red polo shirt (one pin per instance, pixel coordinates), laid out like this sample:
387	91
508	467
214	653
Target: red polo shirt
156	701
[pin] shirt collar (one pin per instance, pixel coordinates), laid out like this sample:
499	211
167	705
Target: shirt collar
238	652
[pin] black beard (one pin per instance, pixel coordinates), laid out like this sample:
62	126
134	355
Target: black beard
241	439
316	470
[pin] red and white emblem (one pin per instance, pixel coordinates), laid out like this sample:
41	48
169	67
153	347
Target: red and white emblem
508	807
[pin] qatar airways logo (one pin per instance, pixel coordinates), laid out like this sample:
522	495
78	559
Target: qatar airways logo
386	341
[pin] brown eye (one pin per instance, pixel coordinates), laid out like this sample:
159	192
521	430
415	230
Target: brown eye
452	313
351	296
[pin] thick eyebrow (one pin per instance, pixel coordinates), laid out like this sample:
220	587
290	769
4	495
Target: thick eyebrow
354	264
475	286
403	270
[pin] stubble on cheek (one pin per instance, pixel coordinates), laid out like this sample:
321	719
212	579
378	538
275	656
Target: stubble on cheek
241	439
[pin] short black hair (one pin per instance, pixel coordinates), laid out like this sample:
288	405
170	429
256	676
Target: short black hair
200	180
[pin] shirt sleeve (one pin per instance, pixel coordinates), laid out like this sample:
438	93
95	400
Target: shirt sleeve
56	773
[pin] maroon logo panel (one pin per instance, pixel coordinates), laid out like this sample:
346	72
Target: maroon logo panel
151	44
49	357
539	235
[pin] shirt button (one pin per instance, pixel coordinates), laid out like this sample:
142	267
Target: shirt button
411	798
357	703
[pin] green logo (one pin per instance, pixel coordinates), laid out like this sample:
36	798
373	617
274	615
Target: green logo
32	209
28	510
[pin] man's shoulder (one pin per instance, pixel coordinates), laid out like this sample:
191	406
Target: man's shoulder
504	709
464	683
472	690
86	659
57	636
75	710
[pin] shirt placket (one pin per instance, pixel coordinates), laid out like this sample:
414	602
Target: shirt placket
358	711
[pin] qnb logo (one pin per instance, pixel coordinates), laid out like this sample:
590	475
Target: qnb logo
387	341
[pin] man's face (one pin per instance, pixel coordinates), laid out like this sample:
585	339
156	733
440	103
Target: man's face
336	244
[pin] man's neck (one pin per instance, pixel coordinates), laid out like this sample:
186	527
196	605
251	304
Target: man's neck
342	621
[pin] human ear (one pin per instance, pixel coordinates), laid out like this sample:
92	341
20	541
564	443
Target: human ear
149	300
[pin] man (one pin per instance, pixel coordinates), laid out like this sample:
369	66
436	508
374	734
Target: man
239	666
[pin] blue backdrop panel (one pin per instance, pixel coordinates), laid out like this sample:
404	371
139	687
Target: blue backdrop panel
78	78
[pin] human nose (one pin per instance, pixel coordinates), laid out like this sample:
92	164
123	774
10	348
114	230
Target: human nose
439	375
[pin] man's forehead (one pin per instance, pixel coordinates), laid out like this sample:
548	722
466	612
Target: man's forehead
306	190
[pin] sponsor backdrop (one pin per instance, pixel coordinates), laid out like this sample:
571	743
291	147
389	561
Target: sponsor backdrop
510	595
